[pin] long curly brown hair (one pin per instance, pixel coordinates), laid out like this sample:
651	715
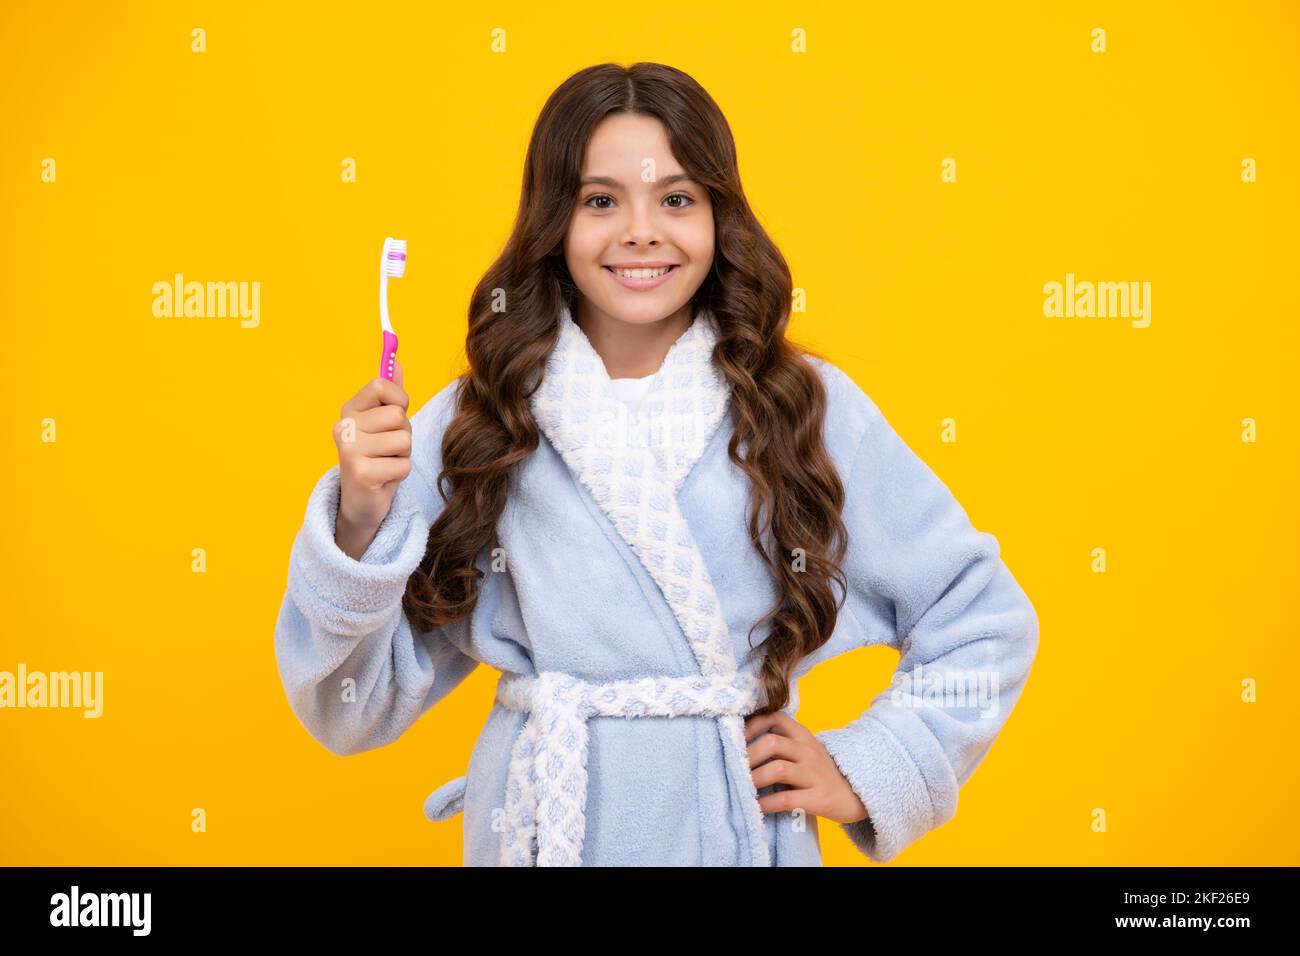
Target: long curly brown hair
778	399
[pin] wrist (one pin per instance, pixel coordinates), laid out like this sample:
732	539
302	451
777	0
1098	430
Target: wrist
352	538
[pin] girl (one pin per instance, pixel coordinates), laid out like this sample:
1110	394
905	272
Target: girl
646	508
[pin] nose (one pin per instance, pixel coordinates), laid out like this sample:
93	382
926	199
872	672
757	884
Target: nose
641	228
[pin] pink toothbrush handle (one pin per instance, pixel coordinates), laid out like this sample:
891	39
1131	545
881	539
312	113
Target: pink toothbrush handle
390	356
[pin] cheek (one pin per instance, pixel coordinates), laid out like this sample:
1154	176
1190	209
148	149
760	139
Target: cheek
698	243
583	245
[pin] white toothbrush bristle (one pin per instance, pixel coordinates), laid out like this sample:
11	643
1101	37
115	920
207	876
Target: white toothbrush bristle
393	262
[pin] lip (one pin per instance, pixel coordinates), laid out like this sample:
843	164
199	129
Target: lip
642	284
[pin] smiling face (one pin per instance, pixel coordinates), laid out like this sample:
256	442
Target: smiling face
624	221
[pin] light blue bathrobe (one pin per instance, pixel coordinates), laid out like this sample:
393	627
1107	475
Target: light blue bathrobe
619	609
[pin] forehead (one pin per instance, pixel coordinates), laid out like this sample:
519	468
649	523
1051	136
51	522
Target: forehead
623	142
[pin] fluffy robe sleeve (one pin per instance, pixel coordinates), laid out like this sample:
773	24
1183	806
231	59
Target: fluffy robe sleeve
924	581
342	618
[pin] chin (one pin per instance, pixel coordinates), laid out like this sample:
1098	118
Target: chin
642	316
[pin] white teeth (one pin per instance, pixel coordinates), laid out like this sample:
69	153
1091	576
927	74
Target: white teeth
641	273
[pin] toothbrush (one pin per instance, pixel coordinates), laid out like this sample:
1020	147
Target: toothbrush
391	263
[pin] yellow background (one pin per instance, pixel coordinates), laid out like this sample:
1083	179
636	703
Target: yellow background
1073	434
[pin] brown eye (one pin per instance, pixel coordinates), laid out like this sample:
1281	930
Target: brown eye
689	200
588	200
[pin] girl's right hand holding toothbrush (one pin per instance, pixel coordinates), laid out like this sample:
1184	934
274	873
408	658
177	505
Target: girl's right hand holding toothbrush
373	436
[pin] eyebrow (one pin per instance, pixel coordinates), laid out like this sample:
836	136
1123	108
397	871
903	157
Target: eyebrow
608	181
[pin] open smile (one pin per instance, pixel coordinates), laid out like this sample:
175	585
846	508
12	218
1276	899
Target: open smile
641	278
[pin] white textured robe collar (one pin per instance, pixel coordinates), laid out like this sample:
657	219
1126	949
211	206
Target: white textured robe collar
682	407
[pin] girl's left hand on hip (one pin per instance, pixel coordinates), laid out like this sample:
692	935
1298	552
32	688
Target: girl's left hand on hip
789	754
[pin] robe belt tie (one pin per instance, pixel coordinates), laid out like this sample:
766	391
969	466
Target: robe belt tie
546	789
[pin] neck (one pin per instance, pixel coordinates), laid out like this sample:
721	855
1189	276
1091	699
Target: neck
631	349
